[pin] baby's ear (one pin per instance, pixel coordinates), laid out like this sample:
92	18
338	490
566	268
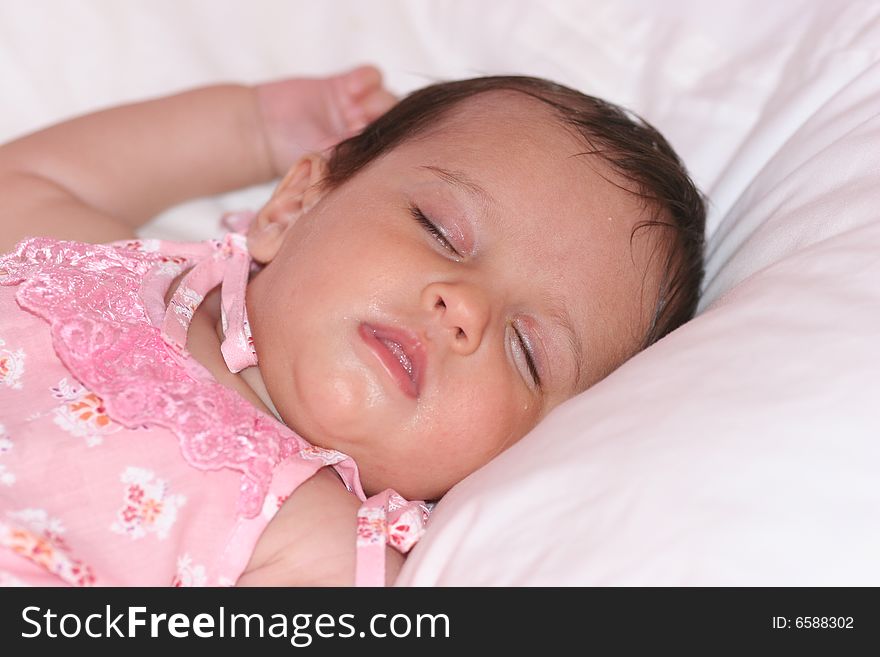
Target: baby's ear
295	195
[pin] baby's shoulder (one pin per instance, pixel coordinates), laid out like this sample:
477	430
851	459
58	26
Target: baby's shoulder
311	541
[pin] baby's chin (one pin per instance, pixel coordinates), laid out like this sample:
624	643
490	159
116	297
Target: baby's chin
349	411
409	482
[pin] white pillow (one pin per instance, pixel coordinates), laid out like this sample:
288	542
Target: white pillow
743	448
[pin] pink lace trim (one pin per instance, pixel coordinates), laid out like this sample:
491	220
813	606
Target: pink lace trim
89	294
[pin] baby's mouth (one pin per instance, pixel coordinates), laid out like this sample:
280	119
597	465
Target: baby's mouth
400	352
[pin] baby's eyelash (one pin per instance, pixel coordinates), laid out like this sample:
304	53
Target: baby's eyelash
431	227
530	361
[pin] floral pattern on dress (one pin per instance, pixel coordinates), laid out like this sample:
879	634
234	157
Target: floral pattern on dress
38	538
141	245
82	414
184	304
188	573
371	526
325	456
11	366
271	504
170	267
409	527
388	517
246	337
6	476
148	505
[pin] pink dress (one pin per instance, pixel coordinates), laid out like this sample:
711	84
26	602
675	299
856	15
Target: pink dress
122	461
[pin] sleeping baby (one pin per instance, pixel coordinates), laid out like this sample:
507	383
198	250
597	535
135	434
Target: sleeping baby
428	280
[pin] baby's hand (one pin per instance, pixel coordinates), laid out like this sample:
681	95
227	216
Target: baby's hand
303	115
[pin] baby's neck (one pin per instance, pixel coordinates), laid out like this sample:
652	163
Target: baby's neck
203	343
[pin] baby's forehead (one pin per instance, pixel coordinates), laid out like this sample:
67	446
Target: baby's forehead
501	111
525	161
508	144
495	132
522	152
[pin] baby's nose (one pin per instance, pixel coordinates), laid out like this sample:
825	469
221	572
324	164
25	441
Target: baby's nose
461	311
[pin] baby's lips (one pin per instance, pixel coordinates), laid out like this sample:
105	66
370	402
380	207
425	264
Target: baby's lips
411	345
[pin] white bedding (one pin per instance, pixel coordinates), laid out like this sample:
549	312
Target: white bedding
742	449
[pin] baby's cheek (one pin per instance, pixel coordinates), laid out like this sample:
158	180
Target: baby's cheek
491	420
334	400
517	417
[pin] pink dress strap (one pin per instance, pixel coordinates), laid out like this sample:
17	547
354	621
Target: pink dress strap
385	519
227	264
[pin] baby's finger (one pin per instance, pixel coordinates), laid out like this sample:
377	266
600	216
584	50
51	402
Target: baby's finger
377	103
361	80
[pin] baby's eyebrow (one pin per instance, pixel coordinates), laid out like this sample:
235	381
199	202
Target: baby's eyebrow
461	180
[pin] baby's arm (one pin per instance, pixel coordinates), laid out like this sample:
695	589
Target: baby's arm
311	541
99	176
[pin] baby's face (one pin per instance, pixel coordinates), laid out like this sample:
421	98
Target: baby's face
424	355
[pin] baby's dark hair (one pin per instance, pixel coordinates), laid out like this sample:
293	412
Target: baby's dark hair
633	148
